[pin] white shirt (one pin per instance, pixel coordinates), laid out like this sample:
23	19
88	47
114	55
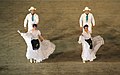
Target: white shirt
35	34
90	21
28	20
86	35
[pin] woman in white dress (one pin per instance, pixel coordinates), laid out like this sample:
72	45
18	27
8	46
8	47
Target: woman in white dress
90	45
38	48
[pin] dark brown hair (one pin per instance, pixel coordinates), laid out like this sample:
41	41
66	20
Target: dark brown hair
85	26
34	25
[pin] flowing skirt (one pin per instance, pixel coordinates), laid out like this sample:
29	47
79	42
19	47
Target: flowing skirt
45	50
87	53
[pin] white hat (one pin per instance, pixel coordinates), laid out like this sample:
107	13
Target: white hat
31	8
86	8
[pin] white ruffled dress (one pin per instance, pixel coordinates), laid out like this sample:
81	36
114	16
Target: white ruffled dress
87	53
45	50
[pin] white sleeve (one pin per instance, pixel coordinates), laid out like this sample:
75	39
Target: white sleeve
93	20
39	33
81	20
81	39
37	19
25	21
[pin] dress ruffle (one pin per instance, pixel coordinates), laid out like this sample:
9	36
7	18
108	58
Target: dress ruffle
45	50
87	53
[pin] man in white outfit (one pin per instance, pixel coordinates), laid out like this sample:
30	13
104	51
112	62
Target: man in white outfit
87	19
30	19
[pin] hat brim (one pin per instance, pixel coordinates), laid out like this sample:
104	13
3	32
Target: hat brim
87	10
31	9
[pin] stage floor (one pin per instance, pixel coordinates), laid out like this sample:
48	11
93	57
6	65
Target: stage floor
59	22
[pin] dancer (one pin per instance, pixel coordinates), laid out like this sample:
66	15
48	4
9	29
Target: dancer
87	19
30	19
90	46
38	48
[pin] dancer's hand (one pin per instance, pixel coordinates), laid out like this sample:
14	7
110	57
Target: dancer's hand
93	25
42	39
18	31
